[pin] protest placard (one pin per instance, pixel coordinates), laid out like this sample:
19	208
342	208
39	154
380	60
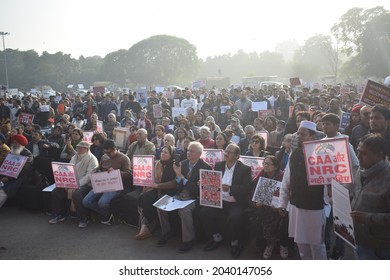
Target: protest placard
168	203
176	103
342	220
107	181
99	126
159	89
142	96
326	160
65	175
157	111
12	165
256	106
210	185
120	136
211	156
178	111
267	192
44	108
294	82
143	170
344	120
262	114
25	118
87	136
376	93
224	108
255	163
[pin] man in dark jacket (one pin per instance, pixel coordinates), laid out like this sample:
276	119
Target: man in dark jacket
236	180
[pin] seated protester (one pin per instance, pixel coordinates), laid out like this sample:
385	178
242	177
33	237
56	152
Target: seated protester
85	164
236	128
4	149
214	128
166	123
180	135
133	136
142	146
221	141
244	142
187	178
110	125
236	183
10	186
42	148
257	147
284	153
144	122
62	122
126	117
96	148
91	123
204	138
271	222
165	183
187	141
6	131
158	139
276	137
112	159
78	121
183	123
69	149
57	137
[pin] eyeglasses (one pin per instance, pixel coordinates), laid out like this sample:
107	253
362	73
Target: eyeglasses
255	142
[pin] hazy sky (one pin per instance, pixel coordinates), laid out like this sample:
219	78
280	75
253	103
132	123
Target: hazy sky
92	27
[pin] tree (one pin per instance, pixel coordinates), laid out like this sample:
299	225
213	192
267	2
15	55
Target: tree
318	56
162	59
115	67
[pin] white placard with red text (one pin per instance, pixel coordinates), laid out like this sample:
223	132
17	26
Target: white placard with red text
65	175
326	160
211	156
143	170
12	165
210	185
255	163
25	118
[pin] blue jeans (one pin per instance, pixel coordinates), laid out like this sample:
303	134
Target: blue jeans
99	202
364	253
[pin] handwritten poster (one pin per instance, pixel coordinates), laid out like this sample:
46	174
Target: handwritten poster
107	181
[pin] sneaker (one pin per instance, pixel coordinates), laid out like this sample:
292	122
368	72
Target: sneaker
83	224
336	255
57	219
268	251
284	252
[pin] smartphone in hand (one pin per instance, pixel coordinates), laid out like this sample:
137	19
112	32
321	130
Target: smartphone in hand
177	159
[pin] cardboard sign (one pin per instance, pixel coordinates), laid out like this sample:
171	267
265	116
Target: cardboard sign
375	93
344	121
326	160
267	192
44	108
107	181
342	220
99	126
294	82
120	136
210	185
12	165
178	111
256	106
87	136
211	156
65	175
255	163
25	118
143	170
262	114
157	111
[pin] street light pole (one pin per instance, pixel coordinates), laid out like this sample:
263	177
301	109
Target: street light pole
5	58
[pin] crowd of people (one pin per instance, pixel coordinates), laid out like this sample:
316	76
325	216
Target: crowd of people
215	119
